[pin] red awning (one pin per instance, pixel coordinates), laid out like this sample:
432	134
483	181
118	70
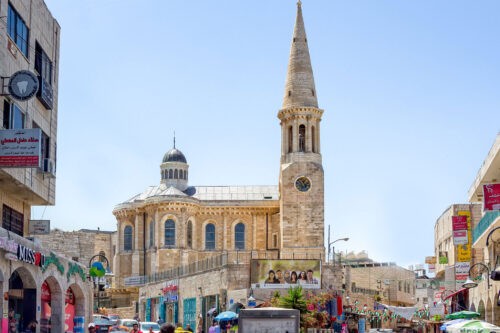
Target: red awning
455	293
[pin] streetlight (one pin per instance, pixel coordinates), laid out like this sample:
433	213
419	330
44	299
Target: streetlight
476	272
97	271
333	248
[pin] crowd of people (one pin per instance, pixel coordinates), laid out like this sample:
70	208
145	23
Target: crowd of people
290	277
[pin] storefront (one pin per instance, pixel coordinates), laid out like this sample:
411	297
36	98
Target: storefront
39	285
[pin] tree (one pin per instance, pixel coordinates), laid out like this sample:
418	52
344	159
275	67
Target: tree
294	300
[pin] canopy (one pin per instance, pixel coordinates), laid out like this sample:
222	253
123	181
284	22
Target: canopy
226	315
478	326
463	314
451	322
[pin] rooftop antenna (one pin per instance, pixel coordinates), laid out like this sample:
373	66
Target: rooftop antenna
174	139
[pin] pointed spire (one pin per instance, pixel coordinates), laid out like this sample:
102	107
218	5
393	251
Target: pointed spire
299	86
174	139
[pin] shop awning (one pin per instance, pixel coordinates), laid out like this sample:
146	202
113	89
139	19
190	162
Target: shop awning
455	293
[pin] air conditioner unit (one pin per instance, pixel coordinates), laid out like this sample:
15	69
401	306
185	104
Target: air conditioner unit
49	167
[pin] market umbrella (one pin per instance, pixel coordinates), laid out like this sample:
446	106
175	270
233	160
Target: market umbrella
455	328
463	314
226	315
479	326
451	322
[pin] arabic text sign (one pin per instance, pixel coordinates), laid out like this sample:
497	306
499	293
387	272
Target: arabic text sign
459	222
491	194
460	237
20	148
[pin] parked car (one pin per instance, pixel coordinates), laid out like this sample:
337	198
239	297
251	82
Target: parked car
96	316
126	324
113	318
145	325
102	325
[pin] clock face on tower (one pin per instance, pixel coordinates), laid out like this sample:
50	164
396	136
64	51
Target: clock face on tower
303	184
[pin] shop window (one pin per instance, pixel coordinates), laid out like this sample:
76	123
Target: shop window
12	220
17	30
127	238
239	236
169	233
210	237
13	116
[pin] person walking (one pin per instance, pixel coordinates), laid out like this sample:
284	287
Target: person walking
91	328
135	328
12	322
31	328
188	328
167	328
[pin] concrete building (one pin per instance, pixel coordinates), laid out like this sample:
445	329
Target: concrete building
35	282
199	248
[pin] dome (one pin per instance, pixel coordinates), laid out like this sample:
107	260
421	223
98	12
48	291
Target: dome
174	155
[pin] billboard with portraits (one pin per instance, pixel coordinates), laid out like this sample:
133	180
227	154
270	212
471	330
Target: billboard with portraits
272	273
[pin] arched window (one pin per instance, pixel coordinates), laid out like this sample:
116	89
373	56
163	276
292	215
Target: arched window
176	174
239	236
313	139
210	237
185	175
290	139
302	138
151	233
127	238
170	174
181	175
189	235
169	233
102	256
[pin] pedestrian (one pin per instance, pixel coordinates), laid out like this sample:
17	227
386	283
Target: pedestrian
135	328
179	328
91	328
167	328
12	322
188	328
211	329
31	326
160	321
136	317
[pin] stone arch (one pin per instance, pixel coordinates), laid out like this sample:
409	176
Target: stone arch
161	229
81	301
23	295
56	306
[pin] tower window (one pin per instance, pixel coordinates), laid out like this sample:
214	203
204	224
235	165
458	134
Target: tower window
302	138
127	238
176	174
275	241
170	174
312	91
239	236
189	236
169	233
151	233
290	139
289	93
181	174
210	237
313	139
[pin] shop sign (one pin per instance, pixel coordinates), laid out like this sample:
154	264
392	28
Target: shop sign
30	256
463	251
460	237
459	222
39	227
20	148
491	193
430	260
8	245
138	280
23	85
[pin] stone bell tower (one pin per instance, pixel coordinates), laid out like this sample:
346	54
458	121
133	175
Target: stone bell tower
301	171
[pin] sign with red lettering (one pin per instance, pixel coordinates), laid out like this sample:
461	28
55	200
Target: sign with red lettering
491	193
459	222
20	148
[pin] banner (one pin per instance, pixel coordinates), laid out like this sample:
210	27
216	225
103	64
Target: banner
461	273
463	251
491	194
460	237
285	273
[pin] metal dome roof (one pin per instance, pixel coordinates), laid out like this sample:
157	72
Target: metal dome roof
174	155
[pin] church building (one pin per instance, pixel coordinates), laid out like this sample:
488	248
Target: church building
194	249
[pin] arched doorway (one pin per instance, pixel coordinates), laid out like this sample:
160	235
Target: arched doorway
75	304
51	309
22	297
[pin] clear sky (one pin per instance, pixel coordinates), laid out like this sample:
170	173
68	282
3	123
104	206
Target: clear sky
410	91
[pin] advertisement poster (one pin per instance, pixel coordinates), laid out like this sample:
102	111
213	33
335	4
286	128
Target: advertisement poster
285	273
491	193
20	148
461	273
459	222
460	237
463	251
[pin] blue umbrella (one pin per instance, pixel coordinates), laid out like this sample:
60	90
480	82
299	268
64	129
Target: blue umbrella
226	315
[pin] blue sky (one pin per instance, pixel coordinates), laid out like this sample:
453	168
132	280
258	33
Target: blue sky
410	91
